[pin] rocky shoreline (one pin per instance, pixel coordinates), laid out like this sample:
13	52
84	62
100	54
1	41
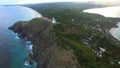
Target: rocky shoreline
46	51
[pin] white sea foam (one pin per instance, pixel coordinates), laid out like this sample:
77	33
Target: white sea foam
26	63
29	46
118	62
28	42
13	33
16	36
16	33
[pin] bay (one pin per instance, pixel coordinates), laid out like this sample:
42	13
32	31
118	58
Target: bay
113	12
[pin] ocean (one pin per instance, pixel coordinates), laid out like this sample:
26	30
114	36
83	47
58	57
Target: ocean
13	51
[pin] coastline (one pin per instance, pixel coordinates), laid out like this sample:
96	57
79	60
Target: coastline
106	13
34	12
13	53
45	53
113	31
28	44
14	62
30	62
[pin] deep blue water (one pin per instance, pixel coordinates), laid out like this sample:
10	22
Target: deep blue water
13	52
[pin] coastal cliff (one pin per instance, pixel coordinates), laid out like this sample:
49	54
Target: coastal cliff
46	50
70	45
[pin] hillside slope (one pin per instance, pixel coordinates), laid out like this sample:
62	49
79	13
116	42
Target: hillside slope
70	45
46	50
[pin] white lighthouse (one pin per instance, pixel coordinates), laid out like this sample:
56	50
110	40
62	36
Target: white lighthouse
53	20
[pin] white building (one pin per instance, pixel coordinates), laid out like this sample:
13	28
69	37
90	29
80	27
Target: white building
53	20
102	50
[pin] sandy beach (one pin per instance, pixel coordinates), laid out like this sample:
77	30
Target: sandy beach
35	13
113	31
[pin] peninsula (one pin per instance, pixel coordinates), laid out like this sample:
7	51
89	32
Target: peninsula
76	40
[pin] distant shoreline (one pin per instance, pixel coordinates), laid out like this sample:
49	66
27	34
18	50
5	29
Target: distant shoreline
113	31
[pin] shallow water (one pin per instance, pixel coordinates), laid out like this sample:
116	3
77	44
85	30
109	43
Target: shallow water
13	52
106	11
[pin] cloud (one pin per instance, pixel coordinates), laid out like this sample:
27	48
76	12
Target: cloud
44	1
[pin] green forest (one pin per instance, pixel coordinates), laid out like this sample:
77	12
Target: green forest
84	33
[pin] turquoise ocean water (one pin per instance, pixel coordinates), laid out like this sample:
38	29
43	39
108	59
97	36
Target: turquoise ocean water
13	52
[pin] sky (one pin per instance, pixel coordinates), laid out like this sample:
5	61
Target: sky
7	2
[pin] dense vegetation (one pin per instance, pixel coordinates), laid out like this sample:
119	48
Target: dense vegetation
84	33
